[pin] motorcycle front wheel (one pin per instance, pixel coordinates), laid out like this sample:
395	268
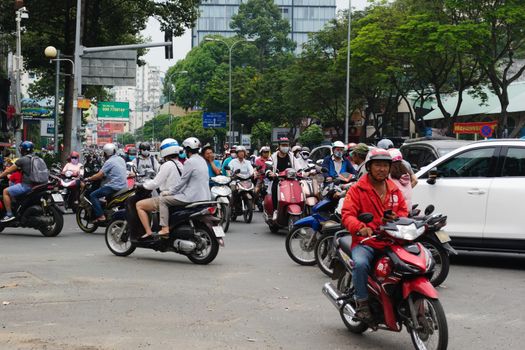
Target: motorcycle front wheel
323	253
53	229
247	211
84	220
207	246
432	333
224	214
300	245
345	286
115	241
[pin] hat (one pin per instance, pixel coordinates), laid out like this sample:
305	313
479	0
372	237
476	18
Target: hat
361	149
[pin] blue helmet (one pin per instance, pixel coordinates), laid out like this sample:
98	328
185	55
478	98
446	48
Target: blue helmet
26	147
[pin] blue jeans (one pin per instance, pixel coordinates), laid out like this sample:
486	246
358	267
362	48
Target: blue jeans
103	191
362	256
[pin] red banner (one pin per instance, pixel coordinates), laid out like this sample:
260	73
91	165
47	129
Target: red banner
472	128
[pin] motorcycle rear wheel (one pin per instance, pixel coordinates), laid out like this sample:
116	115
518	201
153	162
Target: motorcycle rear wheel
300	246
55	228
114	241
442	260
84	220
430	315
207	242
345	286
323	253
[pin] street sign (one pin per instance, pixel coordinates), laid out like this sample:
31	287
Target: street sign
84	103
246	140
116	111
214	120
110	68
486	131
47	128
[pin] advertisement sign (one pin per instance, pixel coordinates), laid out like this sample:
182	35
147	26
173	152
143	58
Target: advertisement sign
113	111
246	140
277	133
47	128
475	128
37	112
214	120
109	129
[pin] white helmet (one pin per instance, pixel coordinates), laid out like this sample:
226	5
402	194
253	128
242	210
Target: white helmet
296	148
109	149
192	143
264	149
338	144
169	147
241	148
385	144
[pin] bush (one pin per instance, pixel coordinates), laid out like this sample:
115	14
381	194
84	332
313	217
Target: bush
312	136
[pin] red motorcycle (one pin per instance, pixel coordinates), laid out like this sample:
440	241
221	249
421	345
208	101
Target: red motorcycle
400	292
290	202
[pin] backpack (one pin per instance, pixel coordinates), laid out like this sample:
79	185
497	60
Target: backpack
39	172
152	162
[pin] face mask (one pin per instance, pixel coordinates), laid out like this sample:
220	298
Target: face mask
285	149
338	154
74	161
131	157
145	153
234	155
182	155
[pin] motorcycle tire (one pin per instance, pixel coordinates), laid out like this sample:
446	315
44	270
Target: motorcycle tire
442	260
248	212
323	247
273	228
344	285
205	236
301	236
433	312
58	223
291	222
113	239
2	228
225	215
84	221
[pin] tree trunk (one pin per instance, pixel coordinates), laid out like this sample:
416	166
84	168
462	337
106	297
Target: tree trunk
446	115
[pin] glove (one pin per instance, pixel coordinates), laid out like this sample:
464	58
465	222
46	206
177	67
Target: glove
165	193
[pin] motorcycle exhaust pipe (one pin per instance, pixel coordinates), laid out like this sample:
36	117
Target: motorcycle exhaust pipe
335	298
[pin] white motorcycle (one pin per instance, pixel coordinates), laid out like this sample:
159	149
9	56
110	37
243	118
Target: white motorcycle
221	193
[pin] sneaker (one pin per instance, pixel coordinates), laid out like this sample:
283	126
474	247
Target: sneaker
8	218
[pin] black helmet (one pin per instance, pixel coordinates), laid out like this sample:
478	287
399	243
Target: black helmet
144	146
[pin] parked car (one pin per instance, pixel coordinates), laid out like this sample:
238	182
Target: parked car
481	187
421	152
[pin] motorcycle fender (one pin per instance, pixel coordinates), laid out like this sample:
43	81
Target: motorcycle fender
449	249
60	207
223	200
311	201
308	221
294	209
119	215
419	285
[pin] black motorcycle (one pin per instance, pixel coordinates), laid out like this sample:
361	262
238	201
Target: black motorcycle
41	209
194	231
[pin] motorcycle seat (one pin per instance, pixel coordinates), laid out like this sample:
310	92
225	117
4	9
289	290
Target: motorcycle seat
330	224
116	194
346	244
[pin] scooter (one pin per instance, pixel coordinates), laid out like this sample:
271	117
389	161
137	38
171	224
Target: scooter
311	188
290	202
221	193
194	230
69	189
399	289
242	197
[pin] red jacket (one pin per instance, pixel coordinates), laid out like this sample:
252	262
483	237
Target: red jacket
362	198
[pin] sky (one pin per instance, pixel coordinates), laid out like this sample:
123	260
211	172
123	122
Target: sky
182	44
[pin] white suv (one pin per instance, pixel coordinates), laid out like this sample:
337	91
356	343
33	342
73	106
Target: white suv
481	188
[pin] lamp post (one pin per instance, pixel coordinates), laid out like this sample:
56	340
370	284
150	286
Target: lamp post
230	48
54	56
347	105
168	79
20	13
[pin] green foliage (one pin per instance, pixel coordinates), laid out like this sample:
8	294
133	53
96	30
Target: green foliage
127	138
262	134
312	136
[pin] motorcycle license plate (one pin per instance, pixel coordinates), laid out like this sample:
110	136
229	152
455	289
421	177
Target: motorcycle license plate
57	197
219	232
443	236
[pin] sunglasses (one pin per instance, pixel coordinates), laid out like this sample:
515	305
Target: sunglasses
74	157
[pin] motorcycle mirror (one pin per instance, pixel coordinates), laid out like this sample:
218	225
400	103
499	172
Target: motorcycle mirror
227	168
365	218
237	171
269	164
319	162
432	176
414	206
429	210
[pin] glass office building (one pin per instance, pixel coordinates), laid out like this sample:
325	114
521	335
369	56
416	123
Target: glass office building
305	16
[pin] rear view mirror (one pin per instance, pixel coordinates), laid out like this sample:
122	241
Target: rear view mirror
432	176
365	218
429	210
237	171
319	162
227	167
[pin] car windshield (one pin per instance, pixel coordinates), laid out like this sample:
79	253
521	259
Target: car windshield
443	151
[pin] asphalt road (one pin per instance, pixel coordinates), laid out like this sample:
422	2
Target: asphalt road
70	292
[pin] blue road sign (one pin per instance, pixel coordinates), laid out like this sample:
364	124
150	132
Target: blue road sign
214	120
486	131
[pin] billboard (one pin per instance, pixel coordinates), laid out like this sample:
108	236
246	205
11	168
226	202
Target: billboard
47	128
116	111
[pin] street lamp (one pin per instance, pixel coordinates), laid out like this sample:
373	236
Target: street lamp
347	106
54	55
230	48
168	79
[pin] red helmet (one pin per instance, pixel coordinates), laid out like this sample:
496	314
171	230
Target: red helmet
74	155
377	154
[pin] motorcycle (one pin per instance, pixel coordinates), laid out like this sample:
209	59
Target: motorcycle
311	188
194	231
221	193
242	196
290	202
69	190
40	209
400	292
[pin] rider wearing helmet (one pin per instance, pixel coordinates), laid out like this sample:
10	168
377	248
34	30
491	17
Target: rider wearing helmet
168	176
145	160
74	165
24	164
260	165
337	164
374	193
115	174
131	154
226	162
241	163
193	186
388	144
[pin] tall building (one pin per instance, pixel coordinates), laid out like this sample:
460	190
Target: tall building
305	16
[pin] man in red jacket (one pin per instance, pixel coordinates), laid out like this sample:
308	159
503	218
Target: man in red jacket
374	193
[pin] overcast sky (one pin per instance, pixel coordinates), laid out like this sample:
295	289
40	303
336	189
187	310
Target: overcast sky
182	45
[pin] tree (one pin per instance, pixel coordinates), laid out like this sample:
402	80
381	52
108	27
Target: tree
262	134
312	136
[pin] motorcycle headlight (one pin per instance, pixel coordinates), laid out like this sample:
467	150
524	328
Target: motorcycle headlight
406	232
291	173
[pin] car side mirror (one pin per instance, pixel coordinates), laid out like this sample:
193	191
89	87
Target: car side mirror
432	176
429	210
365	218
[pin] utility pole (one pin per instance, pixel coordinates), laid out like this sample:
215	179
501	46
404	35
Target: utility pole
20	13
57	105
347	105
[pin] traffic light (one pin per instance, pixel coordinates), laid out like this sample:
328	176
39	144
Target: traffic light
168	50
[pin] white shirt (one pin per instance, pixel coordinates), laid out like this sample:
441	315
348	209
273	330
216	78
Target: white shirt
167	177
245	166
144	164
301	163
194	185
